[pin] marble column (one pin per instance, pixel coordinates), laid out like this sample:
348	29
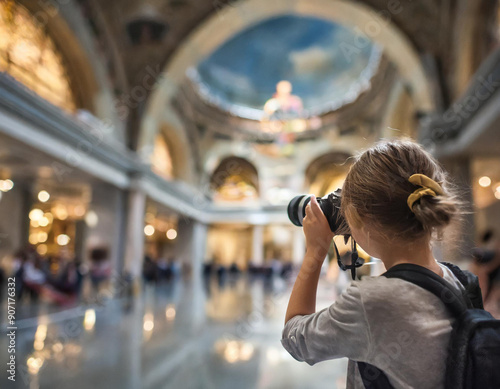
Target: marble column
14	229
258	246
108	205
134	243
190	252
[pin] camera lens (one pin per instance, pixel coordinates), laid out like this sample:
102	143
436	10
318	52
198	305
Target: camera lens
330	205
297	209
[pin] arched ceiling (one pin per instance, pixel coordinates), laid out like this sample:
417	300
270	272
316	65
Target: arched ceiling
231	21
428	27
372	26
310	53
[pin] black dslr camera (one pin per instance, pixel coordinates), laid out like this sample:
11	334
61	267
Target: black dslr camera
330	205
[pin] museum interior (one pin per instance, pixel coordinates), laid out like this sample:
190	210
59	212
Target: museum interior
149	150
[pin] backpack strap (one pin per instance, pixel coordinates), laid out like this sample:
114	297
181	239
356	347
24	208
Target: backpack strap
373	377
431	282
471	284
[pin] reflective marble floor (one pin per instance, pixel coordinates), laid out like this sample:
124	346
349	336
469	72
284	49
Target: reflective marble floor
175	335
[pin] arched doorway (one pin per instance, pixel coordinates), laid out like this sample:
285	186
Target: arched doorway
235	180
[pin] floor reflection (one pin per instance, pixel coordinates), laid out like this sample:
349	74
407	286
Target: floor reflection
205	333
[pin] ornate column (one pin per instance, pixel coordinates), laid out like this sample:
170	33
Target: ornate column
134	244
258	245
190	252
107	230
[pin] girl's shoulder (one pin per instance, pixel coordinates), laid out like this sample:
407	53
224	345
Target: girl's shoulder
379	291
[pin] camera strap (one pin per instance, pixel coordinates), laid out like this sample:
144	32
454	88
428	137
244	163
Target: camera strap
356	261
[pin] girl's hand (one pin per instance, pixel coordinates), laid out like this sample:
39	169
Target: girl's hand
317	230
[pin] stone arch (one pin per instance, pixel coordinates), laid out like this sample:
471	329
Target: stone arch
230	20
327	173
86	71
180	152
235	168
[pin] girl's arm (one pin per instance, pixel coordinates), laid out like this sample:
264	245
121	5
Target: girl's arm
318	240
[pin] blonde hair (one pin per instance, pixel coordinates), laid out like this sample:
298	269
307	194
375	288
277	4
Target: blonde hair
376	191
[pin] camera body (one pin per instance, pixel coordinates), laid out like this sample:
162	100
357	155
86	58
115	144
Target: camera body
329	204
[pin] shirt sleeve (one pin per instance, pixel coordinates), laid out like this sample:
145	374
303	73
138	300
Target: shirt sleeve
340	330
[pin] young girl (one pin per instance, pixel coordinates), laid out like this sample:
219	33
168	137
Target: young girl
395	197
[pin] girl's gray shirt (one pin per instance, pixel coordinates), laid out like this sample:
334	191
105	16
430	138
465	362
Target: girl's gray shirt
390	323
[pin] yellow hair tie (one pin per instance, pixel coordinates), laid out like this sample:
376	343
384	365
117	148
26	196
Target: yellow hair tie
429	188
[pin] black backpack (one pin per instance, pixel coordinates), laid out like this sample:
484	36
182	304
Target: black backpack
473	360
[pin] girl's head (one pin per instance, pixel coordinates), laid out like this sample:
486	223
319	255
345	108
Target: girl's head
376	190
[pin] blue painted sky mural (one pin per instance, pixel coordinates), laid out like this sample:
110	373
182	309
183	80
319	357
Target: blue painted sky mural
325	63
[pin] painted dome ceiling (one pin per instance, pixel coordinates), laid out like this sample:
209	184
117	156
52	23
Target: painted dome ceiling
328	65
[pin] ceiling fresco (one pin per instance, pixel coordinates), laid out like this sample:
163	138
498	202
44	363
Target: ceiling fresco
328	65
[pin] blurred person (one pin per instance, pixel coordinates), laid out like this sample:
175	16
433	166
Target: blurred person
149	270
163	268
486	265
62	287
100	267
15	268
395	198
234	269
34	274
175	268
68	280
276	266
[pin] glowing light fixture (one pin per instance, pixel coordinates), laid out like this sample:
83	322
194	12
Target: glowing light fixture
171	234
42	249
149	230
6	185
60	212
148	322
43	222
170	312
33	238
485	181
43	196
34	364
36	214
63	239
89	319
79	210
38	345
42	236
91	219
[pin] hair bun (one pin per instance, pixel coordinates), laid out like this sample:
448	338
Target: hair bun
435	211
